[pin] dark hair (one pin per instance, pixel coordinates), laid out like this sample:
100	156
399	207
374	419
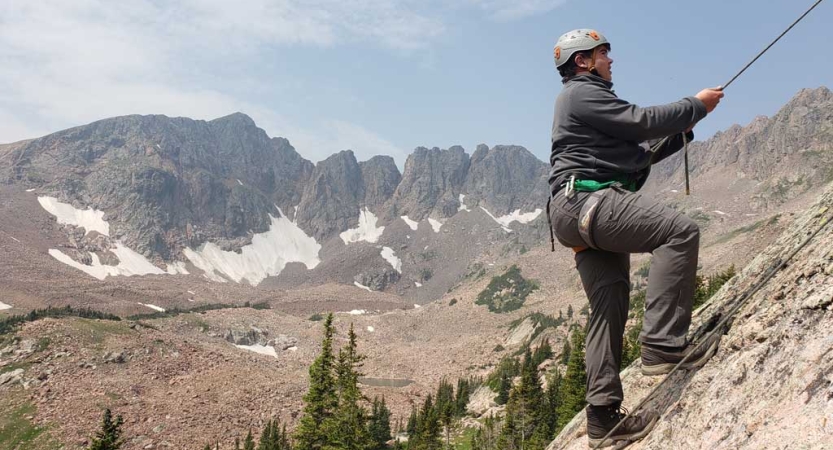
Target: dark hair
568	70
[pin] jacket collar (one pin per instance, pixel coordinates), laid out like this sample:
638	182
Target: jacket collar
588	77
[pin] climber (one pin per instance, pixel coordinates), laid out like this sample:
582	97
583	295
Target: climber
599	161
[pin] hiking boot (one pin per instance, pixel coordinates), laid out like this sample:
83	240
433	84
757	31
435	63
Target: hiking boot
602	419
657	360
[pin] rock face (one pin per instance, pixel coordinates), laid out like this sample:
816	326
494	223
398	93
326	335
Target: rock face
167	182
332	199
770	381
431	183
381	177
788	154
507	178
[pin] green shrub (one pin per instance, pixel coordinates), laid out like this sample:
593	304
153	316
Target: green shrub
506	292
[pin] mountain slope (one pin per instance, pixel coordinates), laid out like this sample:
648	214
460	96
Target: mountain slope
770	385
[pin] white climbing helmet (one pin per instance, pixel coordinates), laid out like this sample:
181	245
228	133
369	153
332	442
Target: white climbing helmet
574	41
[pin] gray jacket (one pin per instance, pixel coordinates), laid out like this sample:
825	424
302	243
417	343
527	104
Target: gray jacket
597	136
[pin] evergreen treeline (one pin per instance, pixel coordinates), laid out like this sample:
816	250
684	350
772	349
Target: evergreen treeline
432	424
535	414
10	323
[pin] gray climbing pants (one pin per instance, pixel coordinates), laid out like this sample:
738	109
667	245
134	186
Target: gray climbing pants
625	223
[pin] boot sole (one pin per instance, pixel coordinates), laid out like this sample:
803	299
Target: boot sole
613	440
662	369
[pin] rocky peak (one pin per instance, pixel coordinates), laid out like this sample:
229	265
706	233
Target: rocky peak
506	178
381	177
791	148
333	196
431	183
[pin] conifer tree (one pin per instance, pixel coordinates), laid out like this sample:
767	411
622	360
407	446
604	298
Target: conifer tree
109	437
266	437
347	428
574	384
503	390
236	443
321	399
463	394
249	442
565	352
379	427
525	406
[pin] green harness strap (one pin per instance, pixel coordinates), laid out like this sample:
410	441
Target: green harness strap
593	185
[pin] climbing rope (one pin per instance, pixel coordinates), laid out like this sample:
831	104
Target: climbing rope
659	144
774	268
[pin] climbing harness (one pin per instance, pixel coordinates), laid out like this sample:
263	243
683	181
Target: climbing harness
659	144
775	268
719	328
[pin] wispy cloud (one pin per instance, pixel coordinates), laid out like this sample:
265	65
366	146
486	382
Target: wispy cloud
67	63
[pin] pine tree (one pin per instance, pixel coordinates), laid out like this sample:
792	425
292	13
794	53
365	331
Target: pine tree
249	442
266	437
109	437
574	384
503	390
565	352
347	428
569	311
525	407
321	399
463	394
236	443
379	427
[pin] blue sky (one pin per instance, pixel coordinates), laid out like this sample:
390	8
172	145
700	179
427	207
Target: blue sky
383	76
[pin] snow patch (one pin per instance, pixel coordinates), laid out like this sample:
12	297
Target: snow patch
514	216
720	212
371	329
30	190
293	349
4	306
130	263
267	255
674	191
357	312
435	224
359	285
366	231
153	307
414	225
177	268
14	238
462	206
417	306
262	349
417	284
191	292
89	219
239	182
391	257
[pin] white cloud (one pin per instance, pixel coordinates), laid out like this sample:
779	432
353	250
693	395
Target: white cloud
67	63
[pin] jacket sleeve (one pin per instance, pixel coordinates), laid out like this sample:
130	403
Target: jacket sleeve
671	146
602	109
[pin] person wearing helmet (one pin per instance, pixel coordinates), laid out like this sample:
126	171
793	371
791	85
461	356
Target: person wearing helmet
600	158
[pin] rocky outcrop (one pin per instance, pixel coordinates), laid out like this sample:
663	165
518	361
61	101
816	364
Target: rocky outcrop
166	183
770	381
331	201
788	154
431	183
381	177
507	178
